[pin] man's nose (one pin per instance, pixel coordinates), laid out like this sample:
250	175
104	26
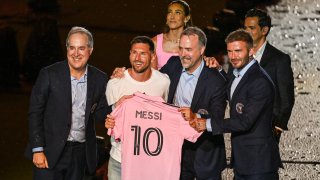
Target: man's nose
231	55
76	52
138	56
248	30
182	52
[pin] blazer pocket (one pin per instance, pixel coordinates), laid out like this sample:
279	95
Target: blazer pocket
256	145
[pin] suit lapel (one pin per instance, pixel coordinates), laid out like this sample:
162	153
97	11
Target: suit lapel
174	82
239	86
229	87
90	87
265	56
199	87
65	79
243	80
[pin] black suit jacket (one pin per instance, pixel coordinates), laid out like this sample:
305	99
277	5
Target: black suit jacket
254	150
278	66
50	111
210	94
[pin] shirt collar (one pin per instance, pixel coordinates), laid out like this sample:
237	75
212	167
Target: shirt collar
83	78
258	54
241	72
197	72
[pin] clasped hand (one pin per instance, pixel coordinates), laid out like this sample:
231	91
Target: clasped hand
199	124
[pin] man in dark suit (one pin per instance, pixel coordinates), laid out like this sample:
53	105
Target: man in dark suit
255	153
276	63
195	86
66	99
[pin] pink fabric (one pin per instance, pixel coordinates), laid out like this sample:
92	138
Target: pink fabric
162	56
152	134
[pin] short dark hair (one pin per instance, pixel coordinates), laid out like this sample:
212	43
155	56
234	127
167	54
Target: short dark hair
144	40
263	17
240	35
196	31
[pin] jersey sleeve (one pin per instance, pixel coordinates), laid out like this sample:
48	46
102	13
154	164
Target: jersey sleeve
119	115
112	92
187	131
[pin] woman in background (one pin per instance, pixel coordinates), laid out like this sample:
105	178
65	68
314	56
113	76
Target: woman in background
167	43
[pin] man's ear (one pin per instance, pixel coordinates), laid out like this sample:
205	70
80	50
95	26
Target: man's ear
203	48
186	19
153	57
251	52
265	30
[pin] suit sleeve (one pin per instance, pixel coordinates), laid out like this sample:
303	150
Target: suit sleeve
38	100
259	95
285	87
218	102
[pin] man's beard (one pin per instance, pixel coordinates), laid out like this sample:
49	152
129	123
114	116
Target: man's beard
186	58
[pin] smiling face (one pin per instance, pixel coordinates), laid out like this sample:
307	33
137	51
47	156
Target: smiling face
78	52
176	17
141	57
190	52
239	53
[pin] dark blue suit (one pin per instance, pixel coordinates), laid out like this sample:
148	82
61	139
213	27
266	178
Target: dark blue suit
51	108
278	66
206	158
254	149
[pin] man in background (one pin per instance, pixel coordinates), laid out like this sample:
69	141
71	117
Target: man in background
276	63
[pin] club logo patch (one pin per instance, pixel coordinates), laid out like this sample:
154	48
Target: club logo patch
239	107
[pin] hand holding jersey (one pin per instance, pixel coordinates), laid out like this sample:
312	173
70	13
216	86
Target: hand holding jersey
152	134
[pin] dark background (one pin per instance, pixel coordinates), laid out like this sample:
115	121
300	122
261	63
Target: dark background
33	33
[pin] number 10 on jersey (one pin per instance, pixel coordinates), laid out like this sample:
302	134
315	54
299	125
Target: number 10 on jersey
137	136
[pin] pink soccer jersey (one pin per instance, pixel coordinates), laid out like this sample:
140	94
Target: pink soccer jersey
152	134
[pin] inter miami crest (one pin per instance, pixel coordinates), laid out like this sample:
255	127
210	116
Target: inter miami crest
239	107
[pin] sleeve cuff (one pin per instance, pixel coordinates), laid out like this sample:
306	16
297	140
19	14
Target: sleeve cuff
37	149
278	128
198	115
208	125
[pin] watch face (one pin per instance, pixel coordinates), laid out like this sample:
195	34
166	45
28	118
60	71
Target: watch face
202	112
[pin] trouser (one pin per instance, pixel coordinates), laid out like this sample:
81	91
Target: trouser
265	176
187	167
114	169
